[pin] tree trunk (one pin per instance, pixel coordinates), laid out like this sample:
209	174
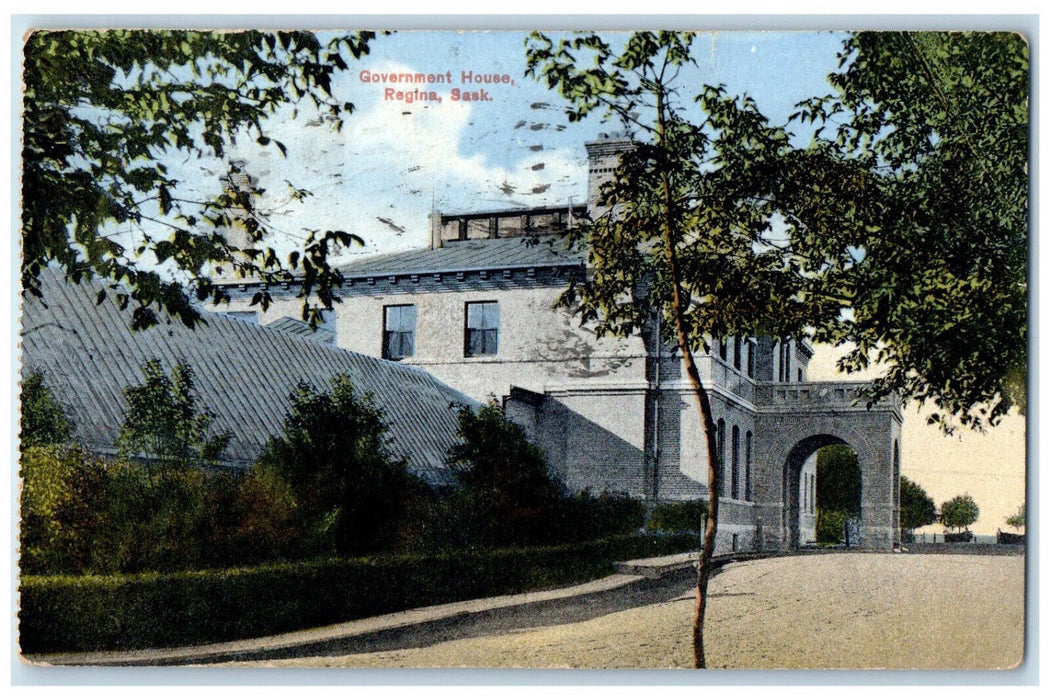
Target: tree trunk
703	401
703	404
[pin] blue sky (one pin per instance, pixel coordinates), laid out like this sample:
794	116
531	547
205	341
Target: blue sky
394	161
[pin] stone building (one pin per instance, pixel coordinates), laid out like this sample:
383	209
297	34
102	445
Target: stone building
477	310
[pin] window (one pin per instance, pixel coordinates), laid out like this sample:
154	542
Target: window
747	466
723	349
751	359
720	450
785	360
735	473
399	331
737	345
482	333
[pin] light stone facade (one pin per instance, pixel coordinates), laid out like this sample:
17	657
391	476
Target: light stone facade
617	414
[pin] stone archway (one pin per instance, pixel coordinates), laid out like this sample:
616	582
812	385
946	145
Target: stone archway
795	422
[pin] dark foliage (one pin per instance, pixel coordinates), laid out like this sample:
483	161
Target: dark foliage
350	494
506	495
917	508
106	113
831	526
838	480
44	420
687	516
920	176
128	612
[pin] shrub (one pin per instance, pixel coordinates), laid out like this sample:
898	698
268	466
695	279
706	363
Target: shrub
44	420
350	493
506	494
683	516
45	472
587	517
63	613
83	514
251	520
830	526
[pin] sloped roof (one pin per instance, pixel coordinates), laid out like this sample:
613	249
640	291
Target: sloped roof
244	375
464	256
294	326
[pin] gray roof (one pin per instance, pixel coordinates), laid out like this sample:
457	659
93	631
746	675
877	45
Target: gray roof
244	375
301	329
464	256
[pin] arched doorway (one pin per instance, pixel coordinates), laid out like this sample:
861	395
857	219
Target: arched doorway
838	494
804	492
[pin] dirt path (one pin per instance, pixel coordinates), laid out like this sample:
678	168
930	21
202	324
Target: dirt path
839	611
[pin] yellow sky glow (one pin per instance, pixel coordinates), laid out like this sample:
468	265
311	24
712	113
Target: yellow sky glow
989	466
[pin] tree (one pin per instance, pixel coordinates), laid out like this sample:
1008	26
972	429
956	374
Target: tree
507	496
686	226
44	419
107	113
839	480
903	233
959	513
164	422
917	508
1016	521
333	454
923	155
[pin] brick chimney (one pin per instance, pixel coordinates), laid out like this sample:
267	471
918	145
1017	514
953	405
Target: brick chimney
602	158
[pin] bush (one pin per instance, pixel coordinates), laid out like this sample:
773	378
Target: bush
350	494
586	517
830	526
955	537
63	613
44	420
684	516
506	495
84	514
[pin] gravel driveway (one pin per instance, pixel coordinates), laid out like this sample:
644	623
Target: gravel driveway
845	610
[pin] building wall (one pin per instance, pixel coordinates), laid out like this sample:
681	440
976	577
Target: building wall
617	415
539	347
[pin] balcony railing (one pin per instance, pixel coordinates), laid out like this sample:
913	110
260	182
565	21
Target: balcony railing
815	395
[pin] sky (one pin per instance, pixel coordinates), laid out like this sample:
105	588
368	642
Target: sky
394	161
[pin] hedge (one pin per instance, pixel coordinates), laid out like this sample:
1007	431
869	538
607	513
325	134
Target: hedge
93	613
